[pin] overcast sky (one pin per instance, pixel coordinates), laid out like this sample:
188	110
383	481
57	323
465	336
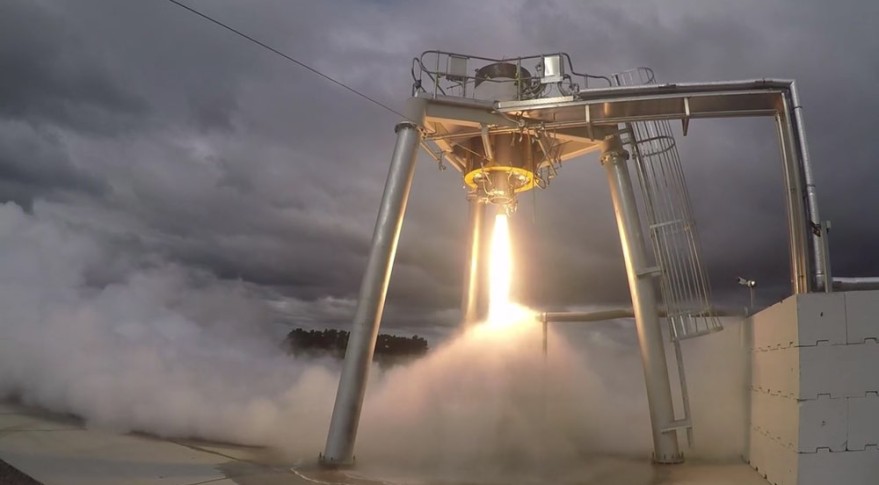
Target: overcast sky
168	138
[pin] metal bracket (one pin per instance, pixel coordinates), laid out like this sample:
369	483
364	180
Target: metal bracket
685	121
589	122
486	143
825	255
682	424
678	424
652	271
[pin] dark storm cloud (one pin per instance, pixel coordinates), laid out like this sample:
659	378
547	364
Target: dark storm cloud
171	138
33	163
732	165
48	76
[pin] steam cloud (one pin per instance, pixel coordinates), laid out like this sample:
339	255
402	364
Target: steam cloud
179	354
163	350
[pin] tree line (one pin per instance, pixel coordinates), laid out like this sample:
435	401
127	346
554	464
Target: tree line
389	349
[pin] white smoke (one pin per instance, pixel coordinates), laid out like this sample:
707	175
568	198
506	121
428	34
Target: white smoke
164	350
178	354
490	404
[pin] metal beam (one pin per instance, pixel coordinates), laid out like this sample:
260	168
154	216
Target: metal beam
612	314
628	104
464	112
339	449
810	268
662	416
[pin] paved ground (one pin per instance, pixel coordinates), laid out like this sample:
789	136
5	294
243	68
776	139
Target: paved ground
11	476
597	470
59	450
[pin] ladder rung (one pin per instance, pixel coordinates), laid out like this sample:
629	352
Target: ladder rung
679	424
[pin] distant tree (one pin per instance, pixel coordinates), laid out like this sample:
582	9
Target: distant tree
389	349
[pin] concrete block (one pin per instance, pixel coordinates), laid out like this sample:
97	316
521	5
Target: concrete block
774	462
802	426
775	416
776	326
782	466
839	370
776	371
862	316
823	424
849	468
815	390
821	318
806	372
801	320
863	422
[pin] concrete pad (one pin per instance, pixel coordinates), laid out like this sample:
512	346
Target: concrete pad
14	417
94	457
59	450
592	470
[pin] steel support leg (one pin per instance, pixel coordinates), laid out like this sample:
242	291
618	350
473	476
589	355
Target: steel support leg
665	442
339	450
473	300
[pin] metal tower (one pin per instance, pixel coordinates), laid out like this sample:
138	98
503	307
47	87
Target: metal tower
508	126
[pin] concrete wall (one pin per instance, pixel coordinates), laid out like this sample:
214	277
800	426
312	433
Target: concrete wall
814	405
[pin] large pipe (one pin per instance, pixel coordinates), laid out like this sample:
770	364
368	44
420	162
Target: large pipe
615	313
856	284
819	246
596	316
797	216
662	417
339	449
472	301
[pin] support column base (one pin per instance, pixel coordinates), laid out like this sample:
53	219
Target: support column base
676	459
331	464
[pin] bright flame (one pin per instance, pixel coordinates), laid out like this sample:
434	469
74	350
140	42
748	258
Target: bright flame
503	314
500	308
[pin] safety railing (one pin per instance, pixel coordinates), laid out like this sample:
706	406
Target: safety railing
439	73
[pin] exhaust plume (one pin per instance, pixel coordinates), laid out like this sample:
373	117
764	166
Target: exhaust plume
177	353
